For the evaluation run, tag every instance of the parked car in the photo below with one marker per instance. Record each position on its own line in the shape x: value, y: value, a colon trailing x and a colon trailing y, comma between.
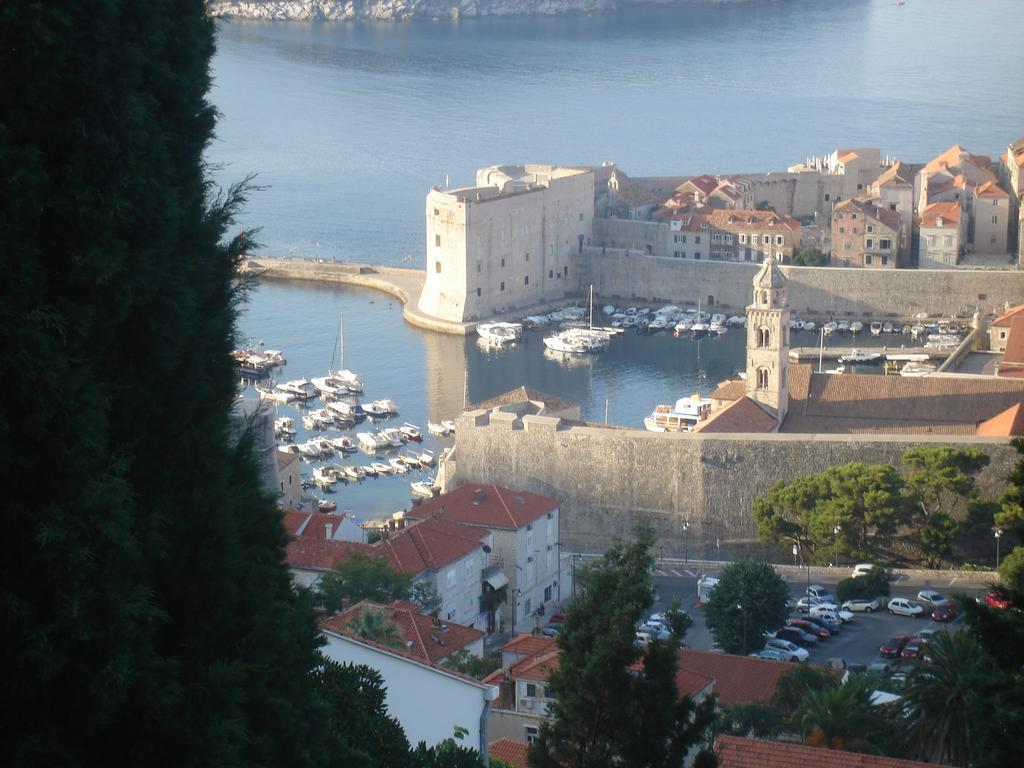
x: 901, y: 606
x: 862, y: 569
x: 826, y: 620
x: 797, y: 635
x: 551, y: 630
x: 996, y: 598
x: 772, y: 654
x: 862, y: 605
x: 805, y: 604
x: 806, y: 626
x: 792, y: 651
x: 912, y: 650
x: 879, y: 668
x: 831, y: 614
x: 892, y: 647
x: 654, y: 629
x: 931, y: 597
x: 944, y: 612
x: 820, y: 593
x: 926, y: 636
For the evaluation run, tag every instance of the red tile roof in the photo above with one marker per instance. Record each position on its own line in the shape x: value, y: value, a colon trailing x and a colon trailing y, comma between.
x: 420, y: 637
x: 511, y: 753
x: 487, y: 505
x: 738, y: 752
x: 317, y: 554
x: 738, y: 679
x: 947, y: 213
x: 528, y: 645
x: 1006, y: 319
x: 743, y: 220
x: 896, y: 175
x: 1006, y: 424
x: 705, y: 184
x: 1014, y: 352
x: 295, y: 521
x: 730, y: 390
x: 988, y: 189
x: 430, y: 545
x: 741, y: 415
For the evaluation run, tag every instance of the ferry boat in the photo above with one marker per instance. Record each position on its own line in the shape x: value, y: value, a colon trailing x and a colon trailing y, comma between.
x: 681, y: 417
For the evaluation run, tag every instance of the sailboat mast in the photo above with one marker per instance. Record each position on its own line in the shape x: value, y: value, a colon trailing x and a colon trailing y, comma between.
x: 341, y: 343
x: 821, y: 349
x: 591, y: 306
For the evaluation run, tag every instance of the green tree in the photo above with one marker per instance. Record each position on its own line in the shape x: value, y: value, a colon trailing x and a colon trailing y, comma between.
x: 149, y: 616
x: 362, y: 577
x: 941, y: 698
x: 617, y: 703
x: 810, y: 257
x: 943, y: 480
x: 423, y: 594
x: 793, y: 685
x: 361, y: 729
x: 1011, y: 515
x: 1011, y: 570
x: 749, y: 600
x: 785, y: 513
x: 937, y: 536
x: 374, y: 625
x: 874, y: 583
x: 753, y: 719
x: 843, y: 717
x: 470, y: 664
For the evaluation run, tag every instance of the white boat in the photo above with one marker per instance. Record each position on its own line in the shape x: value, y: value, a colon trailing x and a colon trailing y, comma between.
x: 353, y: 473
x: 275, y: 395
x: 411, y: 459
x: 876, y: 329
x: 285, y: 426
x: 426, y: 458
x: 830, y: 328
x: 917, y: 369
x: 308, y: 450
x: 809, y: 325
x: 917, y: 330
x: 326, y: 446
x: 345, y: 411
x: 329, y: 385
x: 385, y: 405
x: 837, y: 369
x: 861, y: 357
x: 681, y: 417
x: 394, y: 437
x: 300, y: 389
x: 371, y: 441
x: 449, y: 426
x: 381, y: 468
x: 437, y: 430
x: 683, y: 326
x: 856, y: 326
x: 500, y: 333
x: 324, y: 477
x: 368, y: 470
x: 411, y: 432
x: 608, y: 309
x: 842, y: 326
x: 344, y: 444
x: 423, y: 488
x: 398, y: 465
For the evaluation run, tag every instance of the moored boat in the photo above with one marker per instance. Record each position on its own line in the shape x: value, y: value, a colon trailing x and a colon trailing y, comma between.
x: 683, y: 416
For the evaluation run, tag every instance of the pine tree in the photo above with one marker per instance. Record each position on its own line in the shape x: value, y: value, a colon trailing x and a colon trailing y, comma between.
x: 149, y: 619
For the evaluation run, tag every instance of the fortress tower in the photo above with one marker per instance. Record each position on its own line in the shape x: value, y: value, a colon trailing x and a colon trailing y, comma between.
x: 768, y: 340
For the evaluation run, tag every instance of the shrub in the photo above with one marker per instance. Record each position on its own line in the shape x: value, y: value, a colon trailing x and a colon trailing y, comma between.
x: 875, y: 583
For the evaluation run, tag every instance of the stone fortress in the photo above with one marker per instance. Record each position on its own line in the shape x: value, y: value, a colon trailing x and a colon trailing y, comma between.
x: 528, y: 236
x: 697, y: 489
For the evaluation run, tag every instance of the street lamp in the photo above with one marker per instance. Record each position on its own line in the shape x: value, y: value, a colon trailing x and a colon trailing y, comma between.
x: 998, y: 534
x: 686, y: 527
x: 836, y: 532
x: 739, y: 607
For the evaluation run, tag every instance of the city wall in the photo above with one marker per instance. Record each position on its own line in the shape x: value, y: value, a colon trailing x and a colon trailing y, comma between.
x: 609, y: 479
x: 813, y: 291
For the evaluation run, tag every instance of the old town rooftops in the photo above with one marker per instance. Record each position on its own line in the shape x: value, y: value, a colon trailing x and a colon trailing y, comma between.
x: 488, y: 506
x: 942, y: 214
x: 740, y: 752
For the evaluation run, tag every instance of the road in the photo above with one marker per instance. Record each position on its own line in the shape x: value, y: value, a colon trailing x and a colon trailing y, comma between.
x: 857, y: 642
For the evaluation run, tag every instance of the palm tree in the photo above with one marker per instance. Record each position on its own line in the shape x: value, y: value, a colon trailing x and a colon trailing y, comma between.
x: 940, y: 693
x: 375, y: 626
x: 842, y: 717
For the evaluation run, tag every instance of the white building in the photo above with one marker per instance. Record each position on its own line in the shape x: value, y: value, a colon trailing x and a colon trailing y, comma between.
x: 505, y: 242
x: 525, y: 550
x: 429, y: 700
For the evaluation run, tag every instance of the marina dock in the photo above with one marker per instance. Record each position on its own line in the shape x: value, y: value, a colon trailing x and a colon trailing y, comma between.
x: 900, y: 353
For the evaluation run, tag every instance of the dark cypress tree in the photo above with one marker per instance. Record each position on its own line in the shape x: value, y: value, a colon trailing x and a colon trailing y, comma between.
x: 148, y: 617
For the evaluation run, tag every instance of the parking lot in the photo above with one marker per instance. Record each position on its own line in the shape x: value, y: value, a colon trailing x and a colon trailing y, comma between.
x: 858, y: 640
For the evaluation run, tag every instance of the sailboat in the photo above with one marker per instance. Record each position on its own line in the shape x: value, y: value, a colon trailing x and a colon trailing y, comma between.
x: 342, y: 381
x: 580, y: 340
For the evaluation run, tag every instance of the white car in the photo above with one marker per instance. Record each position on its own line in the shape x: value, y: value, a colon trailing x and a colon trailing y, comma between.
x: 804, y: 604
x: 931, y: 597
x: 793, y: 651
x: 831, y: 611
x: 819, y: 593
x: 901, y: 606
x: 862, y: 604
x: 861, y: 569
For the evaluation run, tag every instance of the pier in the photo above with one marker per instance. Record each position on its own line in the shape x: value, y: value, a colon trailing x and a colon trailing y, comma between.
x: 811, y: 354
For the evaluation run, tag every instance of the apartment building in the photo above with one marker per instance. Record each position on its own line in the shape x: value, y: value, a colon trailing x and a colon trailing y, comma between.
x: 942, y: 231
x: 866, y: 235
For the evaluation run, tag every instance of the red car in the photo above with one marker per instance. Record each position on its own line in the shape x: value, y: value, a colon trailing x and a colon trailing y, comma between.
x: 893, y: 647
x: 912, y: 650
x: 944, y: 612
x: 994, y: 598
x: 819, y: 632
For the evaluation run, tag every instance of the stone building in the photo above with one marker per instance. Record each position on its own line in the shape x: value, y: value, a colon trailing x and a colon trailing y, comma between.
x: 505, y: 243
x: 893, y: 190
x: 866, y: 235
x: 941, y: 235
x: 1013, y: 179
x: 768, y: 341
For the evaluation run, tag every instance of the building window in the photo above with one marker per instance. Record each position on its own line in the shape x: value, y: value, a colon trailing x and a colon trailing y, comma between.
x: 827, y: 196
x: 892, y: 206
x: 728, y: 238
x: 478, y: 267
x: 885, y: 244
x: 478, y: 293
x: 743, y: 237
x: 766, y: 239
x: 869, y: 243
x: 551, y: 274
x: 995, y: 219
x: 948, y: 241
x: 860, y: 187
x: 437, y: 241
x: 867, y: 259
x: 779, y: 240
x: 992, y: 240
x: 762, y: 378
x: 847, y: 245
x: 531, y: 734
x: 885, y: 260
x: 503, y: 262
x: 449, y: 578
x: 437, y: 267
x: 527, y: 256
x: 870, y: 228
x: 764, y: 335
x: 696, y: 239
x: 531, y: 690
x: 853, y: 216
x: 547, y: 594
x: 565, y: 271
x: 779, y: 256
x: 437, y: 212
x: 526, y: 280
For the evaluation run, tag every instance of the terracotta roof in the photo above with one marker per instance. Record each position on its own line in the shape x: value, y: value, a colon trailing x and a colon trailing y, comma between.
x: 941, y: 214
x: 741, y: 415
x: 511, y: 753
x: 528, y: 645
x: 285, y: 458
x: 524, y: 395
x: 847, y: 156
x: 692, y: 684
x: 1007, y: 424
x: 742, y: 220
x: 429, y: 546
x: 487, y: 506
x: 857, y: 403
x: 1014, y: 352
x: 421, y: 637
x: 884, y: 216
x: 295, y: 521
x: 988, y: 189
x: 952, y: 157
x: 318, y: 554
x: 738, y: 679
x: 730, y: 390
x: 1010, y: 370
x: 738, y: 752
x: 1006, y: 319
x: 1017, y: 150
x: 896, y: 175
x: 705, y: 184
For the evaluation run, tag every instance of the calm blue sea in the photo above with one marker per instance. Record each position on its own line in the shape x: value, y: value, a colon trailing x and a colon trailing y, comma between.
x: 346, y: 126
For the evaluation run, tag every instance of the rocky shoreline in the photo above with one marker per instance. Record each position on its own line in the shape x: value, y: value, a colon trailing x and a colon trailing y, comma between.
x: 399, y: 10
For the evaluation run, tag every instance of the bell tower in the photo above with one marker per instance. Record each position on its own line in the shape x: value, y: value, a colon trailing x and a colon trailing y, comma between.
x: 768, y: 340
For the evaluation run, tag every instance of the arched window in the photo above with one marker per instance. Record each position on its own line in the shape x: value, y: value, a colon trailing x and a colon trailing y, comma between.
x: 762, y: 378
x: 763, y: 338
x: 764, y: 297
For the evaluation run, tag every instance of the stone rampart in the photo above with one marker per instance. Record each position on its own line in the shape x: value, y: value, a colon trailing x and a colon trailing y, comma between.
x: 813, y: 291
x: 608, y: 479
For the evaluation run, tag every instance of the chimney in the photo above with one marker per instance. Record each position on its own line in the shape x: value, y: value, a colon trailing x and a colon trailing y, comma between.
x: 330, y: 530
